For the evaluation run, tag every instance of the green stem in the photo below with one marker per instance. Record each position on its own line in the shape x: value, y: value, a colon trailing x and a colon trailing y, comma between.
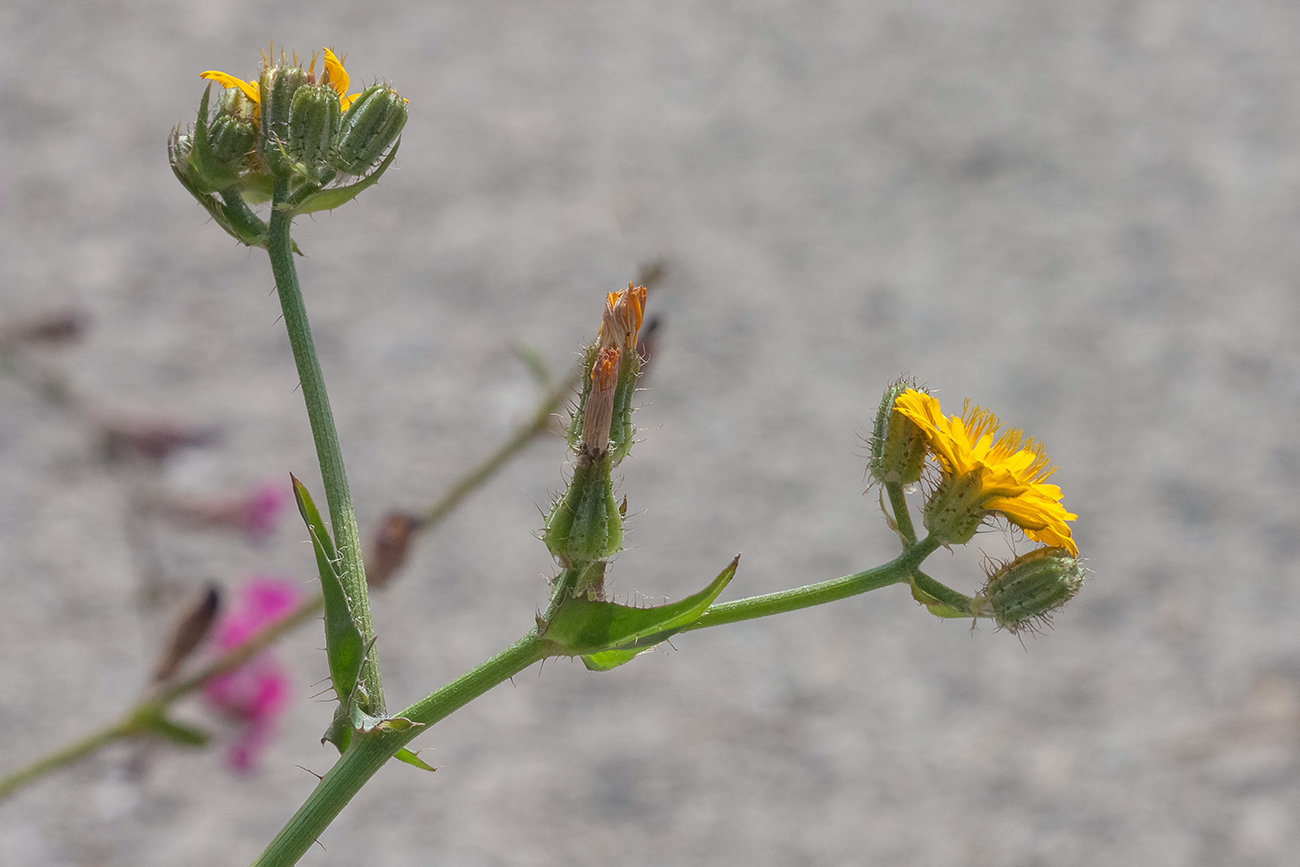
x: 328, y: 451
x: 894, y: 572
x: 540, y: 421
x: 168, y: 694
x: 368, y: 752
x: 135, y: 722
x: 69, y: 754
x: 942, y: 592
x: 902, y: 516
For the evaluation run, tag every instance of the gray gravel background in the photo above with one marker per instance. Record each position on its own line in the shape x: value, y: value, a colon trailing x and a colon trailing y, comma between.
x: 1081, y: 215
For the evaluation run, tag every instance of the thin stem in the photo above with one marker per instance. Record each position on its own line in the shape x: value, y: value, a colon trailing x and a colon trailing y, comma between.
x: 526, y: 433
x: 329, y: 453
x: 902, y: 516
x: 942, y: 592
x: 66, y: 756
x: 894, y: 572
x: 168, y: 694
x: 368, y: 752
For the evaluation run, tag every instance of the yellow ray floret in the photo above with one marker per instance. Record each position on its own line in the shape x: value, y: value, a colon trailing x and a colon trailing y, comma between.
x: 334, y: 75
x: 1011, y: 467
x: 225, y: 79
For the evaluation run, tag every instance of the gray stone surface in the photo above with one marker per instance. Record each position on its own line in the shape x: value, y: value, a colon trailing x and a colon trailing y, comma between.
x: 1082, y: 215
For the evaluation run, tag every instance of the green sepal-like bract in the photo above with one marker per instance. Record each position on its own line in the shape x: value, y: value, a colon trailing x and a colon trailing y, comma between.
x: 574, y: 432
x: 621, y: 431
x: 326, y: 200
x: 607, y: 635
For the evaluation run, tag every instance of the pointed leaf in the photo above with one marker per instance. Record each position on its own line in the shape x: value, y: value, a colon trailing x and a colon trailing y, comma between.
x: 344, y: 644
x: 412, y: 757
x: 176, y: 732
x: 593, y: 629
x: 340, y: 731
x: 327, y: 200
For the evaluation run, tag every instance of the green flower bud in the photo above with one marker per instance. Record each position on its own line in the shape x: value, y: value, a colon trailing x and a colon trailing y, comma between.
x: 898, y: 444
x: 314, y: 117
x: 956, y: 509
x: 1026, y: 591
x: 278, y: 84
x: 585, y: 525
x: 373, y: 121
x: 231, y: 140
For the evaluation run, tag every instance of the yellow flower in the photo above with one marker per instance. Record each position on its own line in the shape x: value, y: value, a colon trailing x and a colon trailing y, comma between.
x: 334, y: 75
x: 1011, y: 470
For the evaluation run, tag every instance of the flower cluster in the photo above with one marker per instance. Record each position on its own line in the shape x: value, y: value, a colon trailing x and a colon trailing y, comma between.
x: 287, y: 135
x: 984, y: 470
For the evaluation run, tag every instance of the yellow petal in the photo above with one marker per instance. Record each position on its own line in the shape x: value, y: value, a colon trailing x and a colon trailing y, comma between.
x: 225, y: 79
x: 338, y: 77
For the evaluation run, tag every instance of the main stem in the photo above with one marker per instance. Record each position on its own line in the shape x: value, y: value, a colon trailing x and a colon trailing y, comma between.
x: 347, y: 538
x: 368, y: 752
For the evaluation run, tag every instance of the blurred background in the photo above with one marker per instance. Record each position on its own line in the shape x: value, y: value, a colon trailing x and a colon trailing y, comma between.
x: 1081, y: 215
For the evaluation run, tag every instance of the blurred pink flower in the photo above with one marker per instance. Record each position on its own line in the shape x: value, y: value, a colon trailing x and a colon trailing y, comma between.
x: 262, y: 509
x: 254, y: 513
x: 257, y: 692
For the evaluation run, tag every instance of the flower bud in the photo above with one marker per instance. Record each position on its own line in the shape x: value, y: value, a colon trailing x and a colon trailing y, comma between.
x: 231, y: 140
x: 373, y: 121
x: 897, y: 443
x: 1026, y: 591
x: 585, y: 524
x: 619, y: 330
x: 956, y: 509
x: 278, y: 85
x: 314, y: 117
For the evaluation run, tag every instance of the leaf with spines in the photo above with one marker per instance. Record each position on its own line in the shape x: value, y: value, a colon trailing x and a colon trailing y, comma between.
x: 607, y: 635
x: 331, y: 198
x: 344, y: 644
x: 412, y: 757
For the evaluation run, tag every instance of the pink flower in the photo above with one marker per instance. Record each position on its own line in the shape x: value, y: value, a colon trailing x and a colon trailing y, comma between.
x: 254, y: 513
x: 262, y: 509
x: 257, y: 692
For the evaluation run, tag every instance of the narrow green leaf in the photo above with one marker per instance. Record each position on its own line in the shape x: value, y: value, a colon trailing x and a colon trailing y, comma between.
x: 328, y: 200
x: 607, y: 634
x: 412, y: 757
x: 174, y: 731
x: 344, y: 645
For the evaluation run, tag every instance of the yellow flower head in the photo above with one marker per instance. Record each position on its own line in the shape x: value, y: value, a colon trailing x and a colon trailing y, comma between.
x: 1011, y: 470
x: 333, y: 75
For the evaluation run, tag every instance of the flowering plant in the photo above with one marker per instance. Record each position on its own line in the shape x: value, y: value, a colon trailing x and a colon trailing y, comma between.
x: 302, y: 143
